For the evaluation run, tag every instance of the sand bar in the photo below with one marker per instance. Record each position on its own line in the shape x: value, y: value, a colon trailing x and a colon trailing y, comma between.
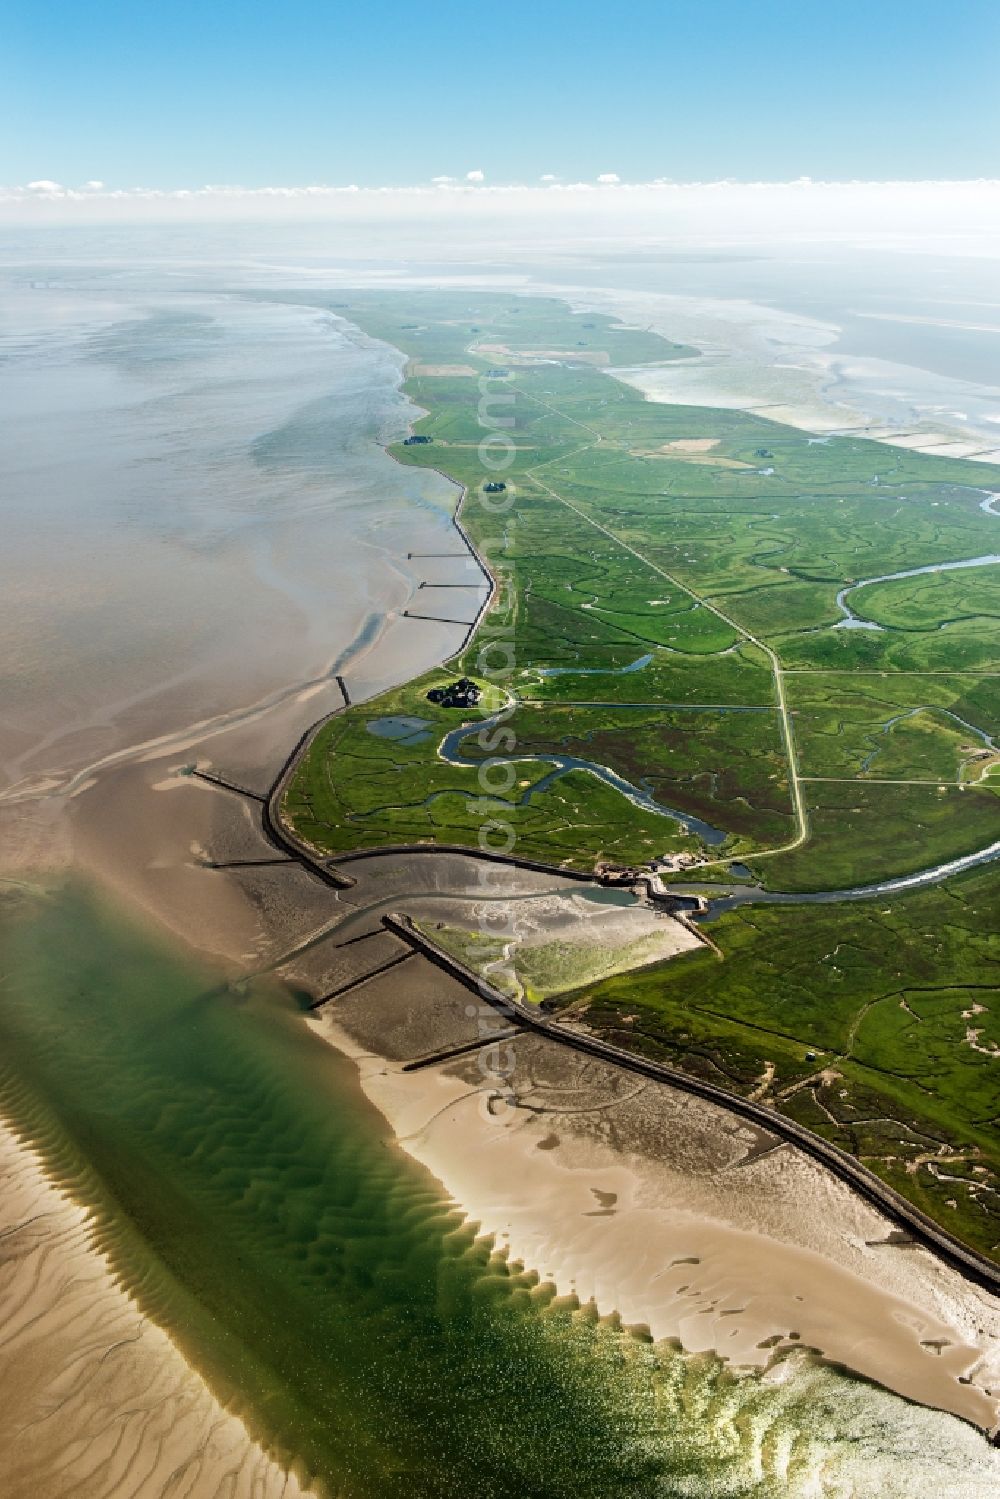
x: 683, y: 1220
x: 95, y: 1399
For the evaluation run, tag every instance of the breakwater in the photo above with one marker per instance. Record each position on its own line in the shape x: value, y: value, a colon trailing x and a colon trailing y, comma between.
x: 924, y: 1230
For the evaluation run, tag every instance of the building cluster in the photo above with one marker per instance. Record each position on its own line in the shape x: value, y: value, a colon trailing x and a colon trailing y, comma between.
x: 416, y: 440
x: 461, y: 694
x: 495, y: 486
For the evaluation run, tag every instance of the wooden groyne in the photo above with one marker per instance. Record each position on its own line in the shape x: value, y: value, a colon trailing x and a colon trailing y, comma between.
x: 376, y: 931
x: 279, y: 860
x: 974, y: 1266
x: 461, y: 1049
x: 361, y: 980
x: 214, y: 779
x: 437, y: 619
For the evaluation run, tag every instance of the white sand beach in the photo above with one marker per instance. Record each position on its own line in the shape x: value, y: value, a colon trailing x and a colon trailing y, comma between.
x: 677, y: 1217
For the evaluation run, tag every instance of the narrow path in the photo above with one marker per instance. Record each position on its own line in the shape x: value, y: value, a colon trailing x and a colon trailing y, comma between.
x: 794, y: 779
x: 871, y: 781
x: 874, y: 671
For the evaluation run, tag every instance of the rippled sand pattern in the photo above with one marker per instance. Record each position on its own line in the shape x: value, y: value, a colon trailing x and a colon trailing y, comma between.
x: 94, y: 1398
x: 221, y: 1176
x: 326, y: 1282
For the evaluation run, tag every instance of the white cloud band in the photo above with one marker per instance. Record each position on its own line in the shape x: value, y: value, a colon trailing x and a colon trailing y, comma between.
x: 726, y: 208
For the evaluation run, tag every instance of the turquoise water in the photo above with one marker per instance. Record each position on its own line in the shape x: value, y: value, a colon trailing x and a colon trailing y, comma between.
x: 257, y: 1204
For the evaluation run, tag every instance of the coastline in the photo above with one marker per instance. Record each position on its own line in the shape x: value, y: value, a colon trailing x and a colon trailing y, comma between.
x: 690, y: 1227
x: 858, y: 1178
x: 804, y: 386
x: 889, y: 1204
x: 275, y: 826
x: 426, y: 1139
x: 80, y: 1353
x: 436, y: 1125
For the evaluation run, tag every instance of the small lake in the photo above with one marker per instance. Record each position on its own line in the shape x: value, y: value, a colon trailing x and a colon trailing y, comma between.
x: 406, y: 728
x: 594, y: 671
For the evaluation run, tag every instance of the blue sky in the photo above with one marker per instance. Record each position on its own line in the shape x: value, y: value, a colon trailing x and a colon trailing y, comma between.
x: 182, y: 93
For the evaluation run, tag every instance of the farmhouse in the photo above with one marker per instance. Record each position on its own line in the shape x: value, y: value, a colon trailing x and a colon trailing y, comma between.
x: 461, y: 694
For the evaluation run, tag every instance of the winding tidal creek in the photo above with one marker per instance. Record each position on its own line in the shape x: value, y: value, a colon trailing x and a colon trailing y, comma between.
x: 247, y: 1193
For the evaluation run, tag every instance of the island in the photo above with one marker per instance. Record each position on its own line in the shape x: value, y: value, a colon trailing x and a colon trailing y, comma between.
x: 765, y: 693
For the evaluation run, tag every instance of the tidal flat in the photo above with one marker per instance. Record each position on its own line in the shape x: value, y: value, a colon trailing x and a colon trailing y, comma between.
x: 617, y: 539
x: 339, y: 1301
x: 358, y: 1312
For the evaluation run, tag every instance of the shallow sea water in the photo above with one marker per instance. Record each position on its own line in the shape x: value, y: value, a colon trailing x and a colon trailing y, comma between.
x: 254, y: 1199
x: 196, y: 511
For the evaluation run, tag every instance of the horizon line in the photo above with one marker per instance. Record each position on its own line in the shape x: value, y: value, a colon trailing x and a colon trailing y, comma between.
x: 473, y: 184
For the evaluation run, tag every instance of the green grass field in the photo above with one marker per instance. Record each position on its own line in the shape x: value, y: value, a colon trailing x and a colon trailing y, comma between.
x: 668, y: 616
x: 879, y: 1019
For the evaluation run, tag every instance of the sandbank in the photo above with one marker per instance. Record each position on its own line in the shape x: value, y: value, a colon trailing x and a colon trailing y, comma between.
x: 682, y: 1219
x: 95, y: 1399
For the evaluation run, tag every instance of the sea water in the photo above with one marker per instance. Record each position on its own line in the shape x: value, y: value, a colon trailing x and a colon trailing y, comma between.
x: 194, y: 505
x: 196, y: 508
x: 257, y: 1204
